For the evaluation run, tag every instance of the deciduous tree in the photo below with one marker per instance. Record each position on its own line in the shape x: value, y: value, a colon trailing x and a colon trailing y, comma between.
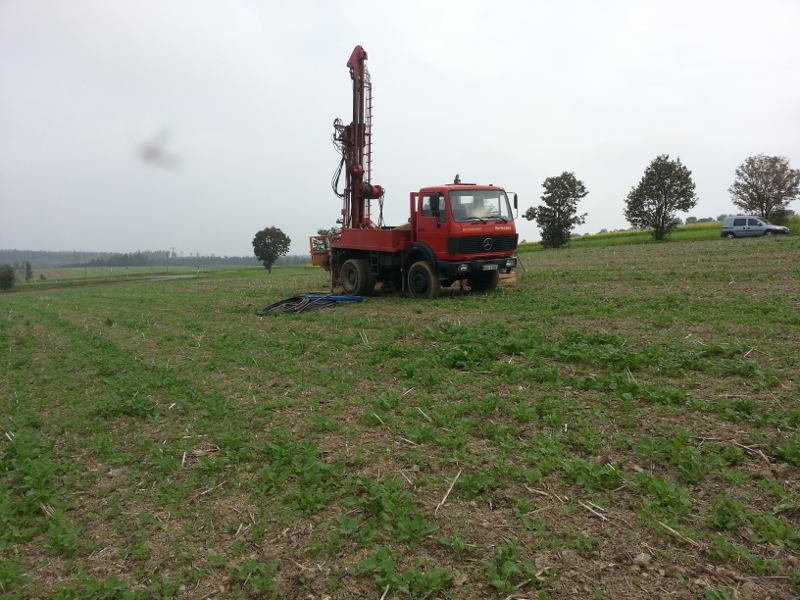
x: 764, y: 186
x: 269, y: 245
x: 7, y: 277
x: 665, y: 189
x: 559, y: 215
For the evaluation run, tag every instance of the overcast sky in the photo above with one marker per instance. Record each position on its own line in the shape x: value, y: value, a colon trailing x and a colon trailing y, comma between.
x: 134, y: 125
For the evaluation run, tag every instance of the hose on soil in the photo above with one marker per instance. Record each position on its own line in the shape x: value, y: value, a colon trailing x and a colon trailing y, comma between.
x: 305, y: 303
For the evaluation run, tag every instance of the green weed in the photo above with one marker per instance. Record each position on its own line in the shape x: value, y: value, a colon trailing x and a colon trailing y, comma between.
x: 723, y: 550
x: 254, y: 576
x: 89, y: 588
x: 720, y: 594
x: 664, y: 500
x: 414, y: 581
x: 13, y: 580
x: 459, y: 543
x: 789, y: 452
x: 62, y: 538
x: 727, y: 514
x: 585, y: 545
x: 506, y: 570
x: 413, y: 528
x: 593, y: 477
x: 475, y: 484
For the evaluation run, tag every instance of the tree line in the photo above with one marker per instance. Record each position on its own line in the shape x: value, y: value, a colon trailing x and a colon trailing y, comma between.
x: 22, y: 269
x: 50, y: 259
x: 47, y: 259
x: 160, y: 258
x: 764, y: 186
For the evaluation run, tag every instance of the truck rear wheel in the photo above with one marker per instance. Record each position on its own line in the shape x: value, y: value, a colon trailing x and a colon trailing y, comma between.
x: 357, y: 279
x: 423, y: 283
x: 485, y: 281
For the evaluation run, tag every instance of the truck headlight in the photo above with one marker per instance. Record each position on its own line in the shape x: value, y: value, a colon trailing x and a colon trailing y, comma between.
x: 463, y: 268
x: 511, y: 263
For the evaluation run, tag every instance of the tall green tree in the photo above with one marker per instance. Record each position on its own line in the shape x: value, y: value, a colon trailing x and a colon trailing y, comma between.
x: 557, y: 218
x: 665, y: 189
x: 764, y: 186
x: 269, y: 245
x: 7, y: 277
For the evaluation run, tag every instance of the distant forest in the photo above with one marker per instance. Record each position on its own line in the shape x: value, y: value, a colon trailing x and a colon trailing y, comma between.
x: 46, y: 259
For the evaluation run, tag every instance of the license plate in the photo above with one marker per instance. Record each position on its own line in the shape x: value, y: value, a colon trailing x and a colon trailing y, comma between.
x: 490, y: 267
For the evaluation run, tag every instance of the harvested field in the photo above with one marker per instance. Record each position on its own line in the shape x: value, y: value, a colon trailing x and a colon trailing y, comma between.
x: 619, y: 422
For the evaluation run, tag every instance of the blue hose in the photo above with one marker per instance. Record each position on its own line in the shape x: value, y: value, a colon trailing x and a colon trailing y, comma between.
x: 306, y: 303
x: 336, y: 298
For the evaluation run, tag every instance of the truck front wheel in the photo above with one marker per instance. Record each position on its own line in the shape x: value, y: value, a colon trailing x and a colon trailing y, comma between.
x: 423, y: 283
x: 485, y: 281
x: 357, y: 279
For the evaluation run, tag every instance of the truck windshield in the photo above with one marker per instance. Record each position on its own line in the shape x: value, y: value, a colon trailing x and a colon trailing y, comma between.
x: 479, y: 206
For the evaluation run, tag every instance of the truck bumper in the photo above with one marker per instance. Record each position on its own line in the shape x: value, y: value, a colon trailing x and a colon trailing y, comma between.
x: 458, y: 269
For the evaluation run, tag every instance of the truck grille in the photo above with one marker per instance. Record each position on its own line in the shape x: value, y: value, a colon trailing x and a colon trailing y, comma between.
x: 480, y: 244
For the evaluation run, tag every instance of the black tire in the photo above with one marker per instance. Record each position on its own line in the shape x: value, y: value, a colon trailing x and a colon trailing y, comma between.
x: 423, y: 283
x: 485, y: 281
x: 357, y: 278
x: 769, y: 232
x: 730, y: 235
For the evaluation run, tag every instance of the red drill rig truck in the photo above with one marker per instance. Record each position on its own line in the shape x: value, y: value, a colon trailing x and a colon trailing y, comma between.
x: 456, y: 231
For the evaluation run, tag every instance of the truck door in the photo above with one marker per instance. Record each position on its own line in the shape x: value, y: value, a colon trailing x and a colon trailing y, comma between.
x: 432, y: 222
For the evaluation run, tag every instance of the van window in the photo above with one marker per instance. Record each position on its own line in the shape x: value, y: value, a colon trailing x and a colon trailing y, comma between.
x: 739, y: 222
x: 753, y: 222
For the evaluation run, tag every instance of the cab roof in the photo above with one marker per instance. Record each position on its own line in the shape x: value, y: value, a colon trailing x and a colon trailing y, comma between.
x: 460, y: 186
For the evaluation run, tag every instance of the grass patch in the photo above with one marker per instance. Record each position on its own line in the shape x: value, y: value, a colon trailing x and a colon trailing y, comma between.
x: 683, y: 233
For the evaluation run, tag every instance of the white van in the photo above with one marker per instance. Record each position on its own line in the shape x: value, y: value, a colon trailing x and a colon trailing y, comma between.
x: 733, y: 227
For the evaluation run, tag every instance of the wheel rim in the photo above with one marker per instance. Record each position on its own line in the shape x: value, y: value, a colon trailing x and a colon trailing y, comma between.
x: 349, y: 278
x: 419, y: 283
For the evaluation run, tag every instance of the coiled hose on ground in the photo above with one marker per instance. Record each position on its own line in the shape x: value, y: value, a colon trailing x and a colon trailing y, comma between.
x: 305, y: 303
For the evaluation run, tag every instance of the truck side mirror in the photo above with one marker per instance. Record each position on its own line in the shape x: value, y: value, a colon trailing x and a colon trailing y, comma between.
x: 515, y: 201
x: 437, y: 207
x: 435, y: 203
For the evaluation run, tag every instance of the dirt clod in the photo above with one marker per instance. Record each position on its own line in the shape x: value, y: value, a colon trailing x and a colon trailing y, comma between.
x: 642, y: 560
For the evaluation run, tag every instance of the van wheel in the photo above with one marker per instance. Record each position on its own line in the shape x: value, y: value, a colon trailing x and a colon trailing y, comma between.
x: 484, y: 282
x: 423, y: 283
x: 357, y: 279
x: 730, y: 236
x: 768, y: 232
